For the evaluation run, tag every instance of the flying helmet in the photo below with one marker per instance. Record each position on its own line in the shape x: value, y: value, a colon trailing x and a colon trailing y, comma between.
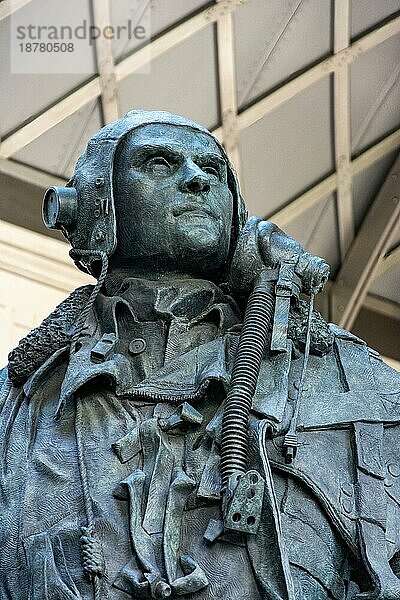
x: 84, y: 210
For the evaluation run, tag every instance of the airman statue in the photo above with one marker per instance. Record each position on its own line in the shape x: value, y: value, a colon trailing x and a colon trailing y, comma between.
x: 190, y: 426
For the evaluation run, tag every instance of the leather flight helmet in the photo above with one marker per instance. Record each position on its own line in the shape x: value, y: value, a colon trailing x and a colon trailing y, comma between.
x: 84, y: 209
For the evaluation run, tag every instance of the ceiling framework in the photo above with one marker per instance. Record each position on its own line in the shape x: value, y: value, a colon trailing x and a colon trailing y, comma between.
x: 28, y: 175
x: 105, y: 63
x: 7, y: 7
x: 92, y: 90
x: 341, y: 83
x: 390, y: 260
x: 382, y: 306
x: 328, y: 185
x: 227, y: 87
x: 363, y: 254
x: 367, y: 250
x: 38, y: 258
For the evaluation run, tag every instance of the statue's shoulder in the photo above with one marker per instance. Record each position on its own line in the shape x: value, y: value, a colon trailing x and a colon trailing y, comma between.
x: 344, y: 334
x: 360, y: 364
x: 359, y: 358
x: 53, y: 333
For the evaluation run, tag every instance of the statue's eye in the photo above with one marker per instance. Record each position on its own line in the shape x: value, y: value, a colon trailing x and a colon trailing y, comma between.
x: 211, y: 170
x: 158, y: 165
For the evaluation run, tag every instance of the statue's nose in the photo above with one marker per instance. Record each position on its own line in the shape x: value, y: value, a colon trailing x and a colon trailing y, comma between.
x: 195, y: 181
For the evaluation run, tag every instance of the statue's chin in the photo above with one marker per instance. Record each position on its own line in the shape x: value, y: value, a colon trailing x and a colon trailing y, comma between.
x: 199, y: 238
x: 201, y: 244
x: 196, y: 246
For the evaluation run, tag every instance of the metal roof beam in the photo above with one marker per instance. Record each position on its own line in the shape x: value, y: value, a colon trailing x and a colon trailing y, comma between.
x: 328, y: 185
x: 105, y: 62
x: 39, y: 258
x: 174, y: 36
x: 92, y: 89
x: 302, y: 203
x: 30, y: 175
x: 21, y: 193
x: 368, y: 157
x: 127, y: 66
x: 382, y: 306
x: 227, y: 87
x: 346, y: 56
x: 391, y: 259
x: 8, y: 7
x: 51, y: 117
x: 368, y: 248
x: 342, y: 143
x: 372, y: 302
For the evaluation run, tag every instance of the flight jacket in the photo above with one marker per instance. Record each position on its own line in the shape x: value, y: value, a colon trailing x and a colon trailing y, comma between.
x: 143, y: 394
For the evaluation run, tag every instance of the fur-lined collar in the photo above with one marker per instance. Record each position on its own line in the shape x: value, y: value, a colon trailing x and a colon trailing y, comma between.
x: 51, y: 335
x: 56, y: 331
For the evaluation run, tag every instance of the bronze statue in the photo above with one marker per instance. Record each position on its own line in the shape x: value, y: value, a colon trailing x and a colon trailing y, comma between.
x: 190, y: 426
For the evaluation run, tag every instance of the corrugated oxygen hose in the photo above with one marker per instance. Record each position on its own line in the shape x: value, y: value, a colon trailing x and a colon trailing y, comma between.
x: 258, y: 315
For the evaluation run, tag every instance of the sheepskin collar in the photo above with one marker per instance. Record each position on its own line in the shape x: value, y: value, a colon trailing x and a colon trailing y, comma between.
x: 51, y: 335
x: 56, y: 330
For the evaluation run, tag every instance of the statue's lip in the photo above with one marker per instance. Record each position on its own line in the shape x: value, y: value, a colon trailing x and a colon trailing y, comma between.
x: 191, y: 207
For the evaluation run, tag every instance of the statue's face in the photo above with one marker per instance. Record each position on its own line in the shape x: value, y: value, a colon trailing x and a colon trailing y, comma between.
x: 173, y: 204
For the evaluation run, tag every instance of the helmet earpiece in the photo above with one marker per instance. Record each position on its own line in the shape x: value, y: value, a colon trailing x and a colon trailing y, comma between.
x: 60, y: 207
